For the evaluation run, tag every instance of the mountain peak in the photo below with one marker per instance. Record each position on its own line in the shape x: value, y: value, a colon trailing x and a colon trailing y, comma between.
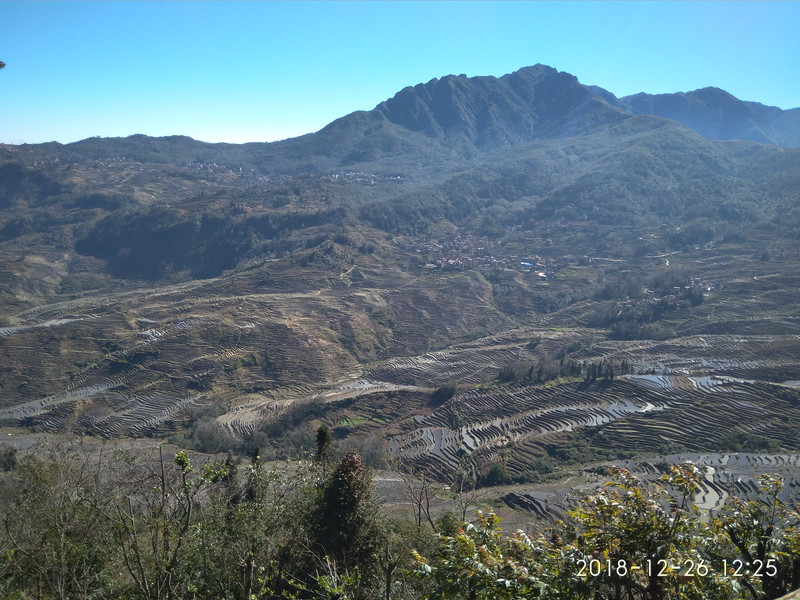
x: 537, y: 70
x: 466, y: 116
x: 489, y: 112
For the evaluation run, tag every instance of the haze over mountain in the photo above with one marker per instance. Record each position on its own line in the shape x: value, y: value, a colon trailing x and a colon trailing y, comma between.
x: 715, y: 113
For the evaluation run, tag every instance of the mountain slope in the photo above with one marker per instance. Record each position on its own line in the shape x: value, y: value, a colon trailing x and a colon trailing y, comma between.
x: 474, y: 115
x: 715, y: 113
x: 487, y: 113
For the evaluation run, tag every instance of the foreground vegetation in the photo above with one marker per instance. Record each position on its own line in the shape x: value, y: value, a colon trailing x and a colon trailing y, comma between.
x: 83, y: 521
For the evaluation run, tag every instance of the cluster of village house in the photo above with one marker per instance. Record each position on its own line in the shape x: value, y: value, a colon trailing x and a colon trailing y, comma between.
x: 544, y: 267
x: 359, y: 177
x: 356, y: 177
x: 468, y: 251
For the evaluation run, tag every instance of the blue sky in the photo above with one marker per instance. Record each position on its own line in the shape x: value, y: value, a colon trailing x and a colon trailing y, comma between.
x: 261, y: 71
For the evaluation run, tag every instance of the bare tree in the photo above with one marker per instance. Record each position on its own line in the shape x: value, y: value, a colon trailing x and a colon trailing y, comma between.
x: 420, y: 489
x: 154, y: 520
x: 465, y: 485
x: 56, y: 496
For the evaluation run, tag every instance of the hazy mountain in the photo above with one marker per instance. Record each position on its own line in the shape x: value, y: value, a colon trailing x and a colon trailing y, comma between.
x: 474, y: 115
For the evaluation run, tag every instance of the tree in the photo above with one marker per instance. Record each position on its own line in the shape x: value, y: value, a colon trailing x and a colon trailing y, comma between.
x: 324, y: 447
x: 245, y: 537
x: 442, y: 394
x: 420, y: 490
x: 480, y: 563
x: 395, y: 557
x: 344, y: 524
x: 637, y: 533
x: 8, y: 457
x: 154, y: 517
x: 763, y: 541
x: 465, y: 485
x: 627, y: 541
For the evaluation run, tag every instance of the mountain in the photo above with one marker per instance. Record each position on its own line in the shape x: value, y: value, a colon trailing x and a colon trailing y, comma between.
x: 482, y: 152
x: 715, y: 113
x: 514, y: 244
x: 454, y: 118
x: 487, y: 113
x: 474, y: 115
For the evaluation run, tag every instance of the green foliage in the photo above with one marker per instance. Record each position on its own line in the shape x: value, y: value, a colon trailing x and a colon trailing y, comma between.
x: 479, y: 563
x: 497, y: 475
x: 245, y: 361
x: 324, y: 441
x: 290, y: 434
x: 8, y: 457
x: 98, y: 522
x: 346, y: 516
x: 630, y: 524
x: 506, y: 374
x: 762, y: 537
x: 737, y: 440
x: 245, y: 544
x: 55, y: 539
x: 629, y: 540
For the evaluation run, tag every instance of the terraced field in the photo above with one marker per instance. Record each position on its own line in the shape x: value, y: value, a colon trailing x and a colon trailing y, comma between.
x: 516, y: 424
x: 144, y: 362
x: 536, y: 393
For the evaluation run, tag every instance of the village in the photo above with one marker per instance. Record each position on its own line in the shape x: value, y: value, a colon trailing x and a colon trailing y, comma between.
x: 469, y: 251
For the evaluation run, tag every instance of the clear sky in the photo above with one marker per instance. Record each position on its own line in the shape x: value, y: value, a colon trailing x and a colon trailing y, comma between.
x: 262, y: 71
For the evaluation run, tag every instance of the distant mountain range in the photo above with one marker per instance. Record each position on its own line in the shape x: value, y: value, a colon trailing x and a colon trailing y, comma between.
x: 480, y: 152
x: 473, y: 115
x: 716, y: 114
x: 480, y: 114
x: 458, y: 117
